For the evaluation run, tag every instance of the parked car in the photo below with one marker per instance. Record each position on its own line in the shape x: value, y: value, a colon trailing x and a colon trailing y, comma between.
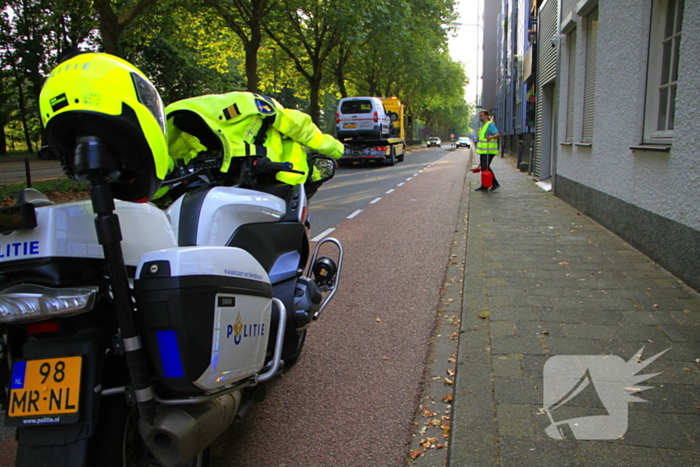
x: 434, y: 141
x: 464, y: 141
x: 362, y: 117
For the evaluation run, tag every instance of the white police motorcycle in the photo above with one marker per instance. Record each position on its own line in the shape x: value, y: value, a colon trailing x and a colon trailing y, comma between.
x: 133, y: 336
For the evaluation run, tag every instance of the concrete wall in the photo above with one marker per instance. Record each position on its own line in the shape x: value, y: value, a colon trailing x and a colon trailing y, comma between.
x: 650, y: 198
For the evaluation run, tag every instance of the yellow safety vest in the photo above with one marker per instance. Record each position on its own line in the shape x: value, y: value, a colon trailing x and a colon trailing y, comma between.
x: 484, y: 146
x: 249, y: 124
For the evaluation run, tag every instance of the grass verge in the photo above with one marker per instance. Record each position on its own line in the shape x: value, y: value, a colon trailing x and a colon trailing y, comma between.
x: 56, y: 190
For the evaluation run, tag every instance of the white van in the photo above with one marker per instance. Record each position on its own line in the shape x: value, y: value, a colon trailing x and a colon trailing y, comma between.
x: 362, y: 117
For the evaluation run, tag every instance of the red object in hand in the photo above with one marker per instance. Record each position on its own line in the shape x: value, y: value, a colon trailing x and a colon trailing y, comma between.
x: 486, y: 178
x: 476, y: 170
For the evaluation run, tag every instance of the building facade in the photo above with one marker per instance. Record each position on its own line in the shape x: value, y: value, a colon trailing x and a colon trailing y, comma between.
x: 516, y: 99
x: 628, y: 151
x: 617, y: 119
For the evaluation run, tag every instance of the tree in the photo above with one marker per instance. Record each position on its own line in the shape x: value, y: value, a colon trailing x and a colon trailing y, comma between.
x: 308, y: 31
x: 185, y: 51
x: 112, y: 23
x: 245, y: 18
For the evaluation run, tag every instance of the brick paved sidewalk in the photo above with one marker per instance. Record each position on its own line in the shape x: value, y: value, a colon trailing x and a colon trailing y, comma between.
x: 548, y: 281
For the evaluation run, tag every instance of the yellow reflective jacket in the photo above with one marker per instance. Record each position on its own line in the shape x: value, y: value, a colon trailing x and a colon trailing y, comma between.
x: 246, y: 124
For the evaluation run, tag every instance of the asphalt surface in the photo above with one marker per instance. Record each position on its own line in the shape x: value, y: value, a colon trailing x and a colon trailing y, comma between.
x: 15, y: 171
x: 354, y: 188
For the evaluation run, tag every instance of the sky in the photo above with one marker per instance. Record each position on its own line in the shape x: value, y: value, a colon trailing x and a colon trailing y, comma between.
x: 464, y: 48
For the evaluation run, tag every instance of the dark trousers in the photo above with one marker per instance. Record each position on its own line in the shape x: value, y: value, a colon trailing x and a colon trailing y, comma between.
x: 486, y: 162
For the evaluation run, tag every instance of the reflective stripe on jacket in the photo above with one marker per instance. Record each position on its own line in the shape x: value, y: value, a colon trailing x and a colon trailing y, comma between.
x: 484, y: 146
x: 248, y: 124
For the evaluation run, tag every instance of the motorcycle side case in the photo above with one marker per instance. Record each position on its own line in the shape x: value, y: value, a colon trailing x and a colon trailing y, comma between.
x: 204, y: 313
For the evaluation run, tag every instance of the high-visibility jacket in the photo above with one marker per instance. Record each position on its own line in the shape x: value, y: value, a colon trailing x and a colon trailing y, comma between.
x: 248, y: 124
x: 484, y: 146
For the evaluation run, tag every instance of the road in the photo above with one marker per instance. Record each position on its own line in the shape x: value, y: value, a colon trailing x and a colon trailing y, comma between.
x: 15, y: 172
x: 354, y: 188
x: 352, y: 397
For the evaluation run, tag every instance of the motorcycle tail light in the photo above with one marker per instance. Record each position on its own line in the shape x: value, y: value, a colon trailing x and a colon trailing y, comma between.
x: 34, y: 302
x: 43, y: 328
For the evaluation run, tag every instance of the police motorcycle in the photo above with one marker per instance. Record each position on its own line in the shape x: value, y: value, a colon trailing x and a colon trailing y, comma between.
x: 132, y: 335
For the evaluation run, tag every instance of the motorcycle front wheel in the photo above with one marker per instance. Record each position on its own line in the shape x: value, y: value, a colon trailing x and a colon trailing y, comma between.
x: 117, y: 441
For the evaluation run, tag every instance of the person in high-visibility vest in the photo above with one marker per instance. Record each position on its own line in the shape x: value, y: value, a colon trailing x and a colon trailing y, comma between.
x: 487, y: 146
x: 246, y: 124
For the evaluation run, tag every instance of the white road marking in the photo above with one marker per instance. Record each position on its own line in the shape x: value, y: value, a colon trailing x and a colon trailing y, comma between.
x: 322, y: 234
x: 354, y: 214
x: 375, y: 200
x: 390, y: 191
x: 401, y: 184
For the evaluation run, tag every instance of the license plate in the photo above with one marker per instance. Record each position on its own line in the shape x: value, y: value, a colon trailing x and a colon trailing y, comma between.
x: 45, y: 387
x: 349, y: 125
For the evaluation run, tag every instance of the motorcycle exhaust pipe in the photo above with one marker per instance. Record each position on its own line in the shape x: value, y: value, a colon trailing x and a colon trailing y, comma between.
x: 181, y: 432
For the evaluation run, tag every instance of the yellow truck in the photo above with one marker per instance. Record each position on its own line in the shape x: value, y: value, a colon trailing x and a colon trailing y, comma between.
x: 371, y: 128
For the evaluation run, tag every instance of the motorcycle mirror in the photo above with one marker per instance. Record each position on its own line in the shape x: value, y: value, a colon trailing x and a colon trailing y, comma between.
x: 323, y: 168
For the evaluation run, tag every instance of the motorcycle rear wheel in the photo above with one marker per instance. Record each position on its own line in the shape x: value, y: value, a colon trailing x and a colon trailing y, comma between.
x: 117, y: 441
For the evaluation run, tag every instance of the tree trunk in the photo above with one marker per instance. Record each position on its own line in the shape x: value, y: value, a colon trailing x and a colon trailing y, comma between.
x: 23, y: 116
x: 314, y: 109
x: 109, y: 27
x: 3, y: 141
x: 251, y: 58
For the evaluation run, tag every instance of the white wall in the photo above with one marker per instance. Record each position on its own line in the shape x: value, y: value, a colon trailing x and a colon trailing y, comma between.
x: 665, y: 183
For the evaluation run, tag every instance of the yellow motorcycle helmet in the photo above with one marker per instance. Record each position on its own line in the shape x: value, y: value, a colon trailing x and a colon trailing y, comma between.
x: 100, y: 95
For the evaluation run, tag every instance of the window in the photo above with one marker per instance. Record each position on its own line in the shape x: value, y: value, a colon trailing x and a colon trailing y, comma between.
x: 591, y: 69
x: 571, y: 88
x: 662, y: 79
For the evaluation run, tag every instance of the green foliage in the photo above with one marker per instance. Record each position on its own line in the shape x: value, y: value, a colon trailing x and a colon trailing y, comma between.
x: 305, y: 53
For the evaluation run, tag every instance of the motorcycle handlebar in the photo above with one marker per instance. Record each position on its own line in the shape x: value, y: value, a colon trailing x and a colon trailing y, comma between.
x: 265, y: 165
x: 184, y: 178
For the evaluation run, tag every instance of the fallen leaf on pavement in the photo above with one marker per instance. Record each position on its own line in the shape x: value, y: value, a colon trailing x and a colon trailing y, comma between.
x: 415, y: 453
x: 428, y: 413
x: 428, y: 443
x: 448, y: 398
x: 445, y: 430
x: 449, y: 382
